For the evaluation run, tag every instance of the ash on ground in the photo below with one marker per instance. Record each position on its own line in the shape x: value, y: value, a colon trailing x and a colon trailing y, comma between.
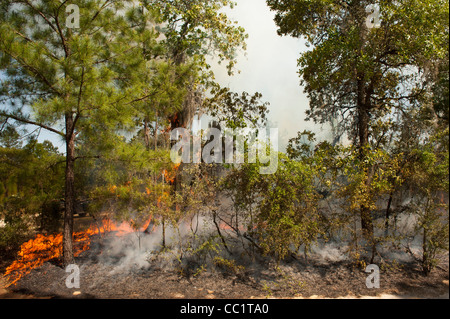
x: 112, y: 274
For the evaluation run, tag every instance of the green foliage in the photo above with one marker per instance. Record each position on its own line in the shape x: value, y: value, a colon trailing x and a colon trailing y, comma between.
x: 284, y: 205
x: 12, y: 235
x: 428, y: 173
x: 351, y: 69
x: 368, y: 180
x: 94, y: 84
x: 237, y: 111
x: 31, y: 186
x: 199, y: 28
x: 385, y: 89
x: 228, y: 265
x: 300, y: 147
x: 111, y: 89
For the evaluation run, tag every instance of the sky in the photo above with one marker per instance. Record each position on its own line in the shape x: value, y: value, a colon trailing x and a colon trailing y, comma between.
x: 268, y: 66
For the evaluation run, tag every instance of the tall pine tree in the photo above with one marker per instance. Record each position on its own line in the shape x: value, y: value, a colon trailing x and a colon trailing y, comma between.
x: 73, y: 71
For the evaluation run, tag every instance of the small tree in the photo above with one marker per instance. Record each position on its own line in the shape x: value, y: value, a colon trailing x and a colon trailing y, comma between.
x: 279, y: 211
x: 428, y: 176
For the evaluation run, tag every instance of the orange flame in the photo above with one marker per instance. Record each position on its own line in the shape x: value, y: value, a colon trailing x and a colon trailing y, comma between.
x: 35, y: 252
x: 170, y: 176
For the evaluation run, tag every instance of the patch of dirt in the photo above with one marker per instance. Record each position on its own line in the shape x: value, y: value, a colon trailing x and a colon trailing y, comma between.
x: 296, y: 279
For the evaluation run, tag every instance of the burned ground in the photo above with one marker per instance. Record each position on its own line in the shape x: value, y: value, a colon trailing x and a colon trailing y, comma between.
x: 104, y: 274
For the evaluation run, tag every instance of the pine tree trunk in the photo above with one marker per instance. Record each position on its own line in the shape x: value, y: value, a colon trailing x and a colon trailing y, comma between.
x: 68, y: 257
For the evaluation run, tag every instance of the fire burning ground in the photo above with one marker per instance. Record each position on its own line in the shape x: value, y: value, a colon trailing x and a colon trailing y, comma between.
x: 35, y: 252
x: 113, y: 266
x: 48, y: 247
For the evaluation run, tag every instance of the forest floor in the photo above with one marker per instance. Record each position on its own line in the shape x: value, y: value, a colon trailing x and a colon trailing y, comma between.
x: 294, y: 279
x: 336, y: 281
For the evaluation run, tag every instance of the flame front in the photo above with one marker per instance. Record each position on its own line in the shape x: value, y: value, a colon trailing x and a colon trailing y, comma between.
x: 35, y: 252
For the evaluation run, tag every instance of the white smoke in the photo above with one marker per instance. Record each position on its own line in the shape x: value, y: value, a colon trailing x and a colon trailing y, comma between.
x: 134, y: 250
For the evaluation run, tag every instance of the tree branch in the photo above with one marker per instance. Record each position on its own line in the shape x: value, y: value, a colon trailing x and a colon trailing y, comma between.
x: 40, y: 13
x: 61, y: 35
x: 33, y: 70
x: 26, y: 121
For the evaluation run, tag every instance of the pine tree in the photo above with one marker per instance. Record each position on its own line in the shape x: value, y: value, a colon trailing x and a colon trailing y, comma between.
x: 74, y: 71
